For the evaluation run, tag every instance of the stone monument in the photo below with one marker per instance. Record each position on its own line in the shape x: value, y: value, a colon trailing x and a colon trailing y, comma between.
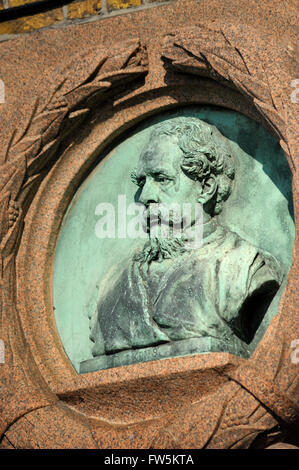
x: 160, y: 343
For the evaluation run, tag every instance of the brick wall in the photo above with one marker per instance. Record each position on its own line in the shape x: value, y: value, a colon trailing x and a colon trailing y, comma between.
x: 79, y: 11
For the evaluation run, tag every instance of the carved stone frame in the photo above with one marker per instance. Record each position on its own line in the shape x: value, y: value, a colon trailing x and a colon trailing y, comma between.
x: 43, y: 166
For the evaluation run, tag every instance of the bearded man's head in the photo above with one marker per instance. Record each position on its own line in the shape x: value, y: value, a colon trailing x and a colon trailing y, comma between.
x: 185, y: 160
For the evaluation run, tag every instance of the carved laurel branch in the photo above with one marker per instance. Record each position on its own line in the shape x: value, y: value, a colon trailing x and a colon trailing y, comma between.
x: 32, y: 149
x: 211, y: 53
x: 35, y: 146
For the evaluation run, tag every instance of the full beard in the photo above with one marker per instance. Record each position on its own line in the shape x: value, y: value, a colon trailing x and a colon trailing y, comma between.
x: 159, y: 248
x: 163, y: 242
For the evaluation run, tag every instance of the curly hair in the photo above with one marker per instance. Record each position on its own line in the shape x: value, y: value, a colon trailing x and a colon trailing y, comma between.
x: 205, y: 152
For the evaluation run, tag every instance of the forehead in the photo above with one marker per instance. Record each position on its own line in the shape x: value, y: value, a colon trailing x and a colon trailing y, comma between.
x: 160, y: 153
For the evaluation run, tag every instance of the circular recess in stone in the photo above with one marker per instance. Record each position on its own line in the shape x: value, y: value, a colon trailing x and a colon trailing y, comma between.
x: 113, y: 310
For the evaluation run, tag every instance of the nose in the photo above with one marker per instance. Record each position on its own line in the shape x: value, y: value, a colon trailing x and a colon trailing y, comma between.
x: 149, y: 193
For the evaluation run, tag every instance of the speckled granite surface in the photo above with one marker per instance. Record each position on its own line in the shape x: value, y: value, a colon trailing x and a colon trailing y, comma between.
x: 234, y: 54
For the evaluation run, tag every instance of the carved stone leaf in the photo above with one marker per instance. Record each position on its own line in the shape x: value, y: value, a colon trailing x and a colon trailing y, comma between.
x: 211, y: 52
x: 11, y: 176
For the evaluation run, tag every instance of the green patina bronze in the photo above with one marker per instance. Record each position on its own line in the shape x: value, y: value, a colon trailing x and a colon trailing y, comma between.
x: 159, y: 298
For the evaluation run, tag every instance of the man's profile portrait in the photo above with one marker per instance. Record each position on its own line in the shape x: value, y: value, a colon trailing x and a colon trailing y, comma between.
x: 169, y: 299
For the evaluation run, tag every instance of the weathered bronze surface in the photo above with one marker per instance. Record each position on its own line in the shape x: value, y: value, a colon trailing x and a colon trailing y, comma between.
x: 170, y: 297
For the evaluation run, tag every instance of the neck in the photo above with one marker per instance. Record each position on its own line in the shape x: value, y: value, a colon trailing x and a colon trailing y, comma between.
x: 195, y: 235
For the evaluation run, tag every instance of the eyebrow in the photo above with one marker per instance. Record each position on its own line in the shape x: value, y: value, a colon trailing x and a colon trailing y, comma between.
x: 163, y: 173
x: 161, y: 170
x: 158, y: 171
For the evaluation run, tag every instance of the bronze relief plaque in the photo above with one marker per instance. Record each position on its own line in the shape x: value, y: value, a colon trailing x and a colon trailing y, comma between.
x: 178, y: 243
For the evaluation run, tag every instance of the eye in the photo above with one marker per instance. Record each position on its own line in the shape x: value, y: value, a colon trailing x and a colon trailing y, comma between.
x: 161, y: 178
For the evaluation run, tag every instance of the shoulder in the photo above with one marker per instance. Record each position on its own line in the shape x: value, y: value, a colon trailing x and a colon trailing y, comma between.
x: 263, y: 267
x: 248, y: 259
x: 245, y: 272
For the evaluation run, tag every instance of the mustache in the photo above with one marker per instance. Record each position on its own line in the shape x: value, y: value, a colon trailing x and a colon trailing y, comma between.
x: 159, y: 249
x: 160, y: 214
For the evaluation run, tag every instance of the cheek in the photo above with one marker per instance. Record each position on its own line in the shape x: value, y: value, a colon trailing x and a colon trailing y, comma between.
x: 193, y: 193
x: 187, y: 189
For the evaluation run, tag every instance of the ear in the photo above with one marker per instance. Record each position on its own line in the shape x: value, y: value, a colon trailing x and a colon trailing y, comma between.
x: 208, y: 189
